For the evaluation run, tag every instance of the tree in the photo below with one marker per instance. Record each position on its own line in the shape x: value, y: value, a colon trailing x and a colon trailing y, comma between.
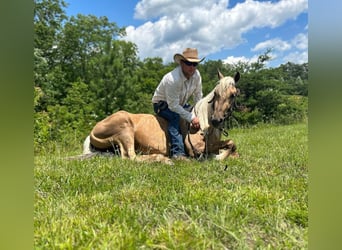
x: 296, y: 77
x: 82, y: 43
x: 114, y: 84
x: 148, y: 74
x: 48, y: 18
x: 262, y: 59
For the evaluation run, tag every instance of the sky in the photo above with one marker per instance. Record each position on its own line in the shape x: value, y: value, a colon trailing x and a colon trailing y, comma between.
x: 231, y: 31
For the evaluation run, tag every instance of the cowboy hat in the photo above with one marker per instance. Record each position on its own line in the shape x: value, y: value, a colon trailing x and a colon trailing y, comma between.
x: 189, y: 54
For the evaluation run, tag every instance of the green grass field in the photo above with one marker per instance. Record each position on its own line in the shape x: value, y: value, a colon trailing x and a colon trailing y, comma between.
x: 257, y: 201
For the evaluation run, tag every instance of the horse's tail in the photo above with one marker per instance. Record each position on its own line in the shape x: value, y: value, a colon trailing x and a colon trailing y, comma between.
x: 101, y: 146
x: 87, y: 148
x: 96, y: 142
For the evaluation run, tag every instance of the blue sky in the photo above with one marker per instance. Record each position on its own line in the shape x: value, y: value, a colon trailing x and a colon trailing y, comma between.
x: 220, y: 29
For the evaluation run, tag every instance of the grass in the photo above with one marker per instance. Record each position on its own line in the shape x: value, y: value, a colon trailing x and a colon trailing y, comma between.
x: 257, y: 201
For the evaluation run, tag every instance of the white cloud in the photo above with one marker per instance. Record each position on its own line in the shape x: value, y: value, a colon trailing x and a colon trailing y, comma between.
x: 296, y: 49
x: 298, y: 57
x: 275, y: 44
x: 208, y: 25
x: 234, y: 60
x: 300, y: 41
x: 147, y: 9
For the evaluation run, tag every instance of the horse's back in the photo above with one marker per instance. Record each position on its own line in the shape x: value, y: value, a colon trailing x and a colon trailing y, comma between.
x: 148, y: 121
x: 150, y: 133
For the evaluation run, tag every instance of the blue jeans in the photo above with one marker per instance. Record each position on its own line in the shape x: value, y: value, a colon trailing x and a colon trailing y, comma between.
x: 176, y: 138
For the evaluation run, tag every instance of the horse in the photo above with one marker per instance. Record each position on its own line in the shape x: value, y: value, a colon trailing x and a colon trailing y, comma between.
x: 144, y: 137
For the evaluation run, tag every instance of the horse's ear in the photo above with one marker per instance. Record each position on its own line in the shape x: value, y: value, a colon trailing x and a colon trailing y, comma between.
x: 219, y: 74
x: 237, y: 77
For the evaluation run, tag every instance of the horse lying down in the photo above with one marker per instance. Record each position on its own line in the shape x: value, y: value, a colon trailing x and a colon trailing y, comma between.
x: 144, y: 137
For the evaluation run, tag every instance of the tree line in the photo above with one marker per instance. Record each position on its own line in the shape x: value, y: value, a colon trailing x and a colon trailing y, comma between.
x: 84, y: 71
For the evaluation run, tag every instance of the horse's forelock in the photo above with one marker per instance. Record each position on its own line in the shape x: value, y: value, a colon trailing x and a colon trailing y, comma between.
x: 224, y: 84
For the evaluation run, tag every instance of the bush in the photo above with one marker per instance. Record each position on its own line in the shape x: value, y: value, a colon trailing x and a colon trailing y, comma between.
x: 41, y: 130
x: 247, y: 117
x: 293, y: 109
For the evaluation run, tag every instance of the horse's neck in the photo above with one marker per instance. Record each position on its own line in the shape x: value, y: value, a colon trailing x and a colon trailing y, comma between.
x: 214, y: 132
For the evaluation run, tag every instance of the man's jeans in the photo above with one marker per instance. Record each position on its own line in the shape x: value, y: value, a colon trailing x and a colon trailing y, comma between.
x: 177, y: 145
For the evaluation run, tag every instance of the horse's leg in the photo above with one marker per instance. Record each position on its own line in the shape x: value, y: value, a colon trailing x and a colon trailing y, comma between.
x: 228, y: 148
x: 227, y: 144
x: 126, y: 151
x: 223, y: 155
x: 194, y: 144
x: 126, y: 143
x: 231, y: 145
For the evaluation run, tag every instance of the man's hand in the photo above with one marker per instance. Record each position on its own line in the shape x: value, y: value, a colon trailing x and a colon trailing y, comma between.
x: 195, y: 123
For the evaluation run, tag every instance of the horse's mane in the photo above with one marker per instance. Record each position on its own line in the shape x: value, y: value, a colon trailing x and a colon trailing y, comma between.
x: 203, y: 109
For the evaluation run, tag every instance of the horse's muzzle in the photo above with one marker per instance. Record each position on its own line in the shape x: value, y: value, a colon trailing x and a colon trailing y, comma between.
x: 217, y: 122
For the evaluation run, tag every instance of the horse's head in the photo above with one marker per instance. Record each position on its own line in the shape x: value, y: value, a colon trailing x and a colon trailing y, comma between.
x: 223, y: 99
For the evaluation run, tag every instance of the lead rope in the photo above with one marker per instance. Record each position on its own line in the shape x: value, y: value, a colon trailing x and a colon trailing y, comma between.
x: 198, y: 155
x: 206, y: 148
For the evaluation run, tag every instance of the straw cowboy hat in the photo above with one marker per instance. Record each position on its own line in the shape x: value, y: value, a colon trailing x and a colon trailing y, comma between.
x: 189, y: 54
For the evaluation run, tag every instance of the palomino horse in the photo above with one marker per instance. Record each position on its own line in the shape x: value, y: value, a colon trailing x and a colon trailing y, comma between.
x: 144, y: 137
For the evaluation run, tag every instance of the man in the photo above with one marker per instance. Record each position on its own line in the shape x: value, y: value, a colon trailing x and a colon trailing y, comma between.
x: 171, y: 96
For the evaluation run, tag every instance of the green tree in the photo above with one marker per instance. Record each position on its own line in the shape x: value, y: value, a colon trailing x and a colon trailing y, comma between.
x: 148, y: 75
x: 48, y: 18
x: 75, y: 115
x: 296, y: 77
x: 261, y: 62
x: 115, y: 83
x: 82, y: 43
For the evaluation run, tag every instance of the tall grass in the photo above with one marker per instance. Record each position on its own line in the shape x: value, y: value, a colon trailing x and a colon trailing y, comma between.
x: 257, y: 201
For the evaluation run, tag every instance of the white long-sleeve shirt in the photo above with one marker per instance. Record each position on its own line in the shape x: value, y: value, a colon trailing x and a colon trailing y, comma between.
x: 176, y: 90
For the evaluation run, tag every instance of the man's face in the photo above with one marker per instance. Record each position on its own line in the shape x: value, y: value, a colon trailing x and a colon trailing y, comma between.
x: 188, y: 68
